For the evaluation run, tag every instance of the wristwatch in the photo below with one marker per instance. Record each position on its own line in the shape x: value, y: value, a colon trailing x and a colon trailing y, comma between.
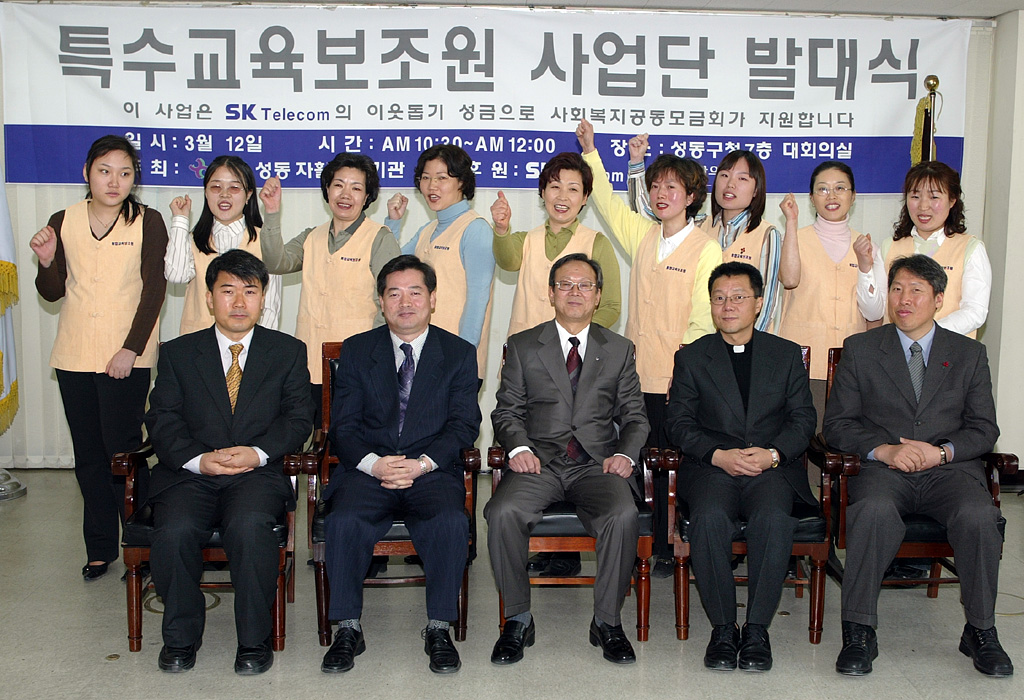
x: 942, y: 455
x: 775, y: 457
x: 424, y: 467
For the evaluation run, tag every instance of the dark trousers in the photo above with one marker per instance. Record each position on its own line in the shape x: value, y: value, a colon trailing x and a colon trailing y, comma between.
x: 246, y: 506
x: 655, y: 405
x: 105, y: 417
x: 717, y: 503
x: 955, y: 496
x: 606, y: 506
x: 360, y: 513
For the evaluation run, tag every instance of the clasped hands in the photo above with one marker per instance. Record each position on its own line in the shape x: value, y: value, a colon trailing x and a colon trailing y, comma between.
x: 526, y: 462
x: 229, y: 460
x: 742, y: 461
x: 910, y: 455
x: 396, y: 471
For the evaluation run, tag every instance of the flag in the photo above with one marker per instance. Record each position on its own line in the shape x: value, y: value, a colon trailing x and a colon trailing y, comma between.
x: 8, y: 297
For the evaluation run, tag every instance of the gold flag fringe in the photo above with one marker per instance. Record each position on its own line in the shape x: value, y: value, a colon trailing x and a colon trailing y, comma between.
x: 8, y: 286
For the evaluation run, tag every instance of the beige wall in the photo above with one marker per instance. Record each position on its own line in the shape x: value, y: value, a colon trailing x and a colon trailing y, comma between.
x: 39, y: 437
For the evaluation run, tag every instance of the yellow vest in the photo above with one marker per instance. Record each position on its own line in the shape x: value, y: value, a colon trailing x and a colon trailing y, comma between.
x: 443, y: 255
x: 102, y: 294
x: 821, y: 312
x: 952, y: 255
x: 197, y: 315
x: 338, y: 291
x: 747, y: 246
x: 660, y: 299
x: 531, y: 305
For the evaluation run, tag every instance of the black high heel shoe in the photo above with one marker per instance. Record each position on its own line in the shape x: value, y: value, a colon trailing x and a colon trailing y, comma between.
x: 92, y: 572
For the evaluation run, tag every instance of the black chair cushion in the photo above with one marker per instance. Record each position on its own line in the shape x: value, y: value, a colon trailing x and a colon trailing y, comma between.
x: 139, y: 530
x: 922, y: 528
x: 397, y: 532
x: 560, y: 520
x: 810, y: 527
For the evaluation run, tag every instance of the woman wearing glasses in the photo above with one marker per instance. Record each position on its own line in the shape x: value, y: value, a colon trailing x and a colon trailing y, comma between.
x: 836, y: 278
x: 230, y: 219
x: 457, y: 244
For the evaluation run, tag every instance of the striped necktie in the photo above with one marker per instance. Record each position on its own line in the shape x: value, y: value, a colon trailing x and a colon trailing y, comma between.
x: 234, y: 375
x: 916, y: 366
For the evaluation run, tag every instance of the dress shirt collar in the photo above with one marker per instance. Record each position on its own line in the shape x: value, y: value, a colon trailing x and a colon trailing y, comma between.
x: 667, y: 246
x: 223, y: 343
x: 227, y: 237
x: 570, y: 228
x: 939, y: 237
x: 925, y: 343
x: 563, y: 340
x: 352, y: 228
x: 416, y: 343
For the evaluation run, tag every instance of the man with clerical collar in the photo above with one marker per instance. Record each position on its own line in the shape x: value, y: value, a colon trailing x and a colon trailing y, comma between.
x: 570, y: 414
x: 914, y: 400
x: 740, y: 410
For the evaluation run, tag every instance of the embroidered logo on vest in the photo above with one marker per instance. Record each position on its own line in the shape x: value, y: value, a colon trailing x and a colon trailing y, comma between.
x: 675, y: 269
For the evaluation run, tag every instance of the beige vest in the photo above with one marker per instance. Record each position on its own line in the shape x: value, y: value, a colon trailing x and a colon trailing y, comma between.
x: 660, y: 298
x: 822, y: 311
x: 952, y: 255
x: 103, y: 289
x: 443, y: 255
x: 531, y: 305
x: 338, y: 291
x: 196, y: 315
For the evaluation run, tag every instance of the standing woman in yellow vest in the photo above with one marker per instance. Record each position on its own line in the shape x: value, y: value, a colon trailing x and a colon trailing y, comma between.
x: 932, y: 223
x: 230, y: 219
x: 105, y: 257
x: 339, y: 259
x: 457, y: 244
x: 564, y: 185
x: 736, y: 221
x: 837, y: 275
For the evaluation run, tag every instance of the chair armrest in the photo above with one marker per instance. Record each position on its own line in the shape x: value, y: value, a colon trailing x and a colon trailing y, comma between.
x: 834, y: 463
x: 128, y: 465
x: 307, y: 462
x: 470, y: 459
x: 1003, y: 462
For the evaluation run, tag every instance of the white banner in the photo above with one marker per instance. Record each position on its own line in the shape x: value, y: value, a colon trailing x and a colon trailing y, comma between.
x: 286, y: 87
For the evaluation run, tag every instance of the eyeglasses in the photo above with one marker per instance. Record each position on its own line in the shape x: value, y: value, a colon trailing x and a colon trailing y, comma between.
x: 439, y: 179
x: 217, y: 188
x: 567, y: 286
x: 825, y: 190
x: 718, y: 299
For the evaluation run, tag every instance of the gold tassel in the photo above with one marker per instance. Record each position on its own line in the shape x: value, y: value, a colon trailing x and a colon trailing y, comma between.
x: 8, y: 285
x: 915, y: 145
x: 8, y: 407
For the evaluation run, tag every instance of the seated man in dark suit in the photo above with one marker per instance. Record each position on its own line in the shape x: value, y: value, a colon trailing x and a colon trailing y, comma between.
x: 571, y: 416
x: 740, y: 409
x: 914, y: 400
x: 229, y: 402
x: 405, y: 403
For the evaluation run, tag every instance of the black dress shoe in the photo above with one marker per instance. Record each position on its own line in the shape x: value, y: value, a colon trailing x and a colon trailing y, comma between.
x: 348, y: 644
x: 860, y: 648
x: 91, y: 572
x: 985, y: 650
x: 252, y: 661
x: 723, y: 648
x: 538, y: 563
x: 563, y: 565
x: 663, y: 567
x: 613, y: 642
x: 514, y: 638
x: 755, y: 652
x: 178, y: 659
x: 444, y: 657
x: 378, y: 566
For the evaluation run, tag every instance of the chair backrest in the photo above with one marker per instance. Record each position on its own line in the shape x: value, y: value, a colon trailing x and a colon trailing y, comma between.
x: 834, y: 354
x: 329, y: 356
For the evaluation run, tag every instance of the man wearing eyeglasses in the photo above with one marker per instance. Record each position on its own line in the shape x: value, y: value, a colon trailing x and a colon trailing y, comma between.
x: 740, y: 409
x: 570, y: 414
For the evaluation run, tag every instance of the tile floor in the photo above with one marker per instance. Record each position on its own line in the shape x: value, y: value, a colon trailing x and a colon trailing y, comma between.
x: 61, y: 637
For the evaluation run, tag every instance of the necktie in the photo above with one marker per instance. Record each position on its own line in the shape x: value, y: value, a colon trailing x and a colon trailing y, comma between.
x: 405, y: 375
x: 234, y: 375
x: 916, y: 366
x: 573, y: 363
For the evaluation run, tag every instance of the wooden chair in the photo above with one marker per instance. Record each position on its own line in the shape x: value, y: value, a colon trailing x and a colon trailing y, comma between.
x: 811, y: 539
x: 135, y: 541
x: 318, y: 463
x: 925, y: 537
x: 561, y: 530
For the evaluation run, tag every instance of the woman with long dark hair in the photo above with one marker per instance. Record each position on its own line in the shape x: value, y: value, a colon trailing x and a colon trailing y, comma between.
x: 104, y: 256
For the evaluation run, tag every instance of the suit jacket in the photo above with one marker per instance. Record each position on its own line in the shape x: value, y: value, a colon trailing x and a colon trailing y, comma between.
x: 536, y: 407
x: 442, y: 416
x: 190, y: 412
x: 705, y: 410
x: 872, y: 400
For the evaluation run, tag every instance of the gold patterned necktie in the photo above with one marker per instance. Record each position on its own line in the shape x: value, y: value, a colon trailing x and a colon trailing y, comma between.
x: 234, y: 375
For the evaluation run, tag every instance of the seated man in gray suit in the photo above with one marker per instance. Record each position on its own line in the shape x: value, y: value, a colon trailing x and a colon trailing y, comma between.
x: 740, y: 409
x: 571, y: 415
x: 914, y: 400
